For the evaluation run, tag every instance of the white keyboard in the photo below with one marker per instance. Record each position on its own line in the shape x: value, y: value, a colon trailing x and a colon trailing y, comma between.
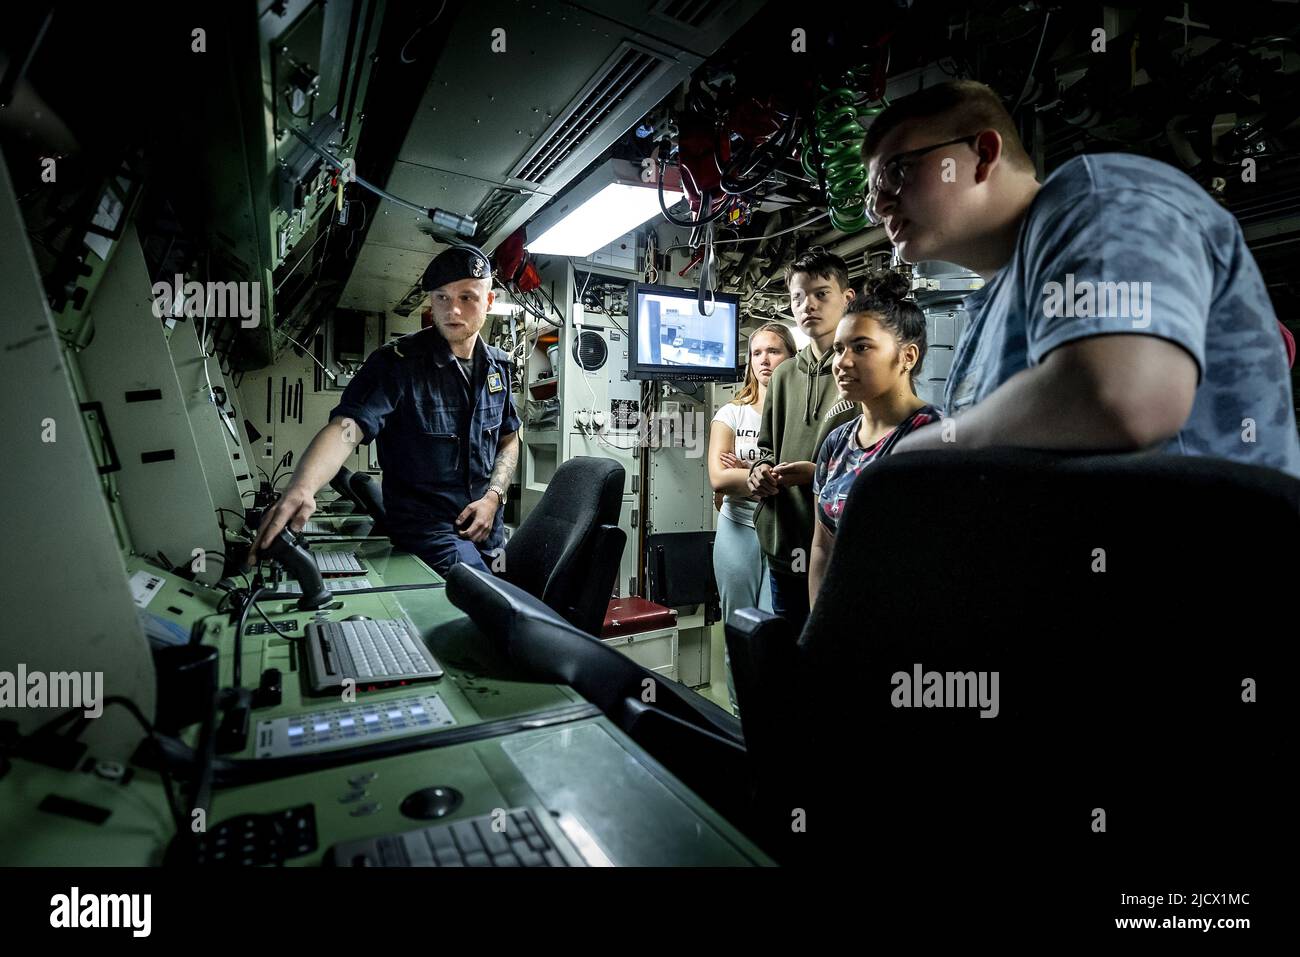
x: 371, y: 650
x: 382, y: 649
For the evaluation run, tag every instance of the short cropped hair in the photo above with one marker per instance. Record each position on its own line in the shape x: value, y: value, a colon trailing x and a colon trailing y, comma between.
x: 820, y: 263
x: 957, y: 108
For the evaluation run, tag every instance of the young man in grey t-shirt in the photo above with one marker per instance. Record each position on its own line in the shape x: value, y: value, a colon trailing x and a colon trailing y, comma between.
x: 1121, y: 311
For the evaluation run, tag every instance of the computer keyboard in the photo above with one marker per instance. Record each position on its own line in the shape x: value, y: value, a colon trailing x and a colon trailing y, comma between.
x: 380, y: 649
x: 338, y: 563
x: 511, y: 838
x: 372, y: 650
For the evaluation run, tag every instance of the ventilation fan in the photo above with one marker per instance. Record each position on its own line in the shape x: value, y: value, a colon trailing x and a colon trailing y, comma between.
x: 590, y: 351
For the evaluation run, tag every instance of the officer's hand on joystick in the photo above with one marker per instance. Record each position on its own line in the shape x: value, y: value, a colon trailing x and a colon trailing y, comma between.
x: 477, y: 518
x: 293, y: 509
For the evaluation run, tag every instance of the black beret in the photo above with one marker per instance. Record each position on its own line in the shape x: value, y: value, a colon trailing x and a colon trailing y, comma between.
x: 455, y: 264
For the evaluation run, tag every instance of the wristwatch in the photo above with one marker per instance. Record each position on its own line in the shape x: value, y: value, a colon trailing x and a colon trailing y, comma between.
x: 501, y: 493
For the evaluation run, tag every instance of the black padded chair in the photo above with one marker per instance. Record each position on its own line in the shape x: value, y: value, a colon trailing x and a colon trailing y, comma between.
x: 367, y: 493
x: 567, y: 551
x: 342, y: 484
x: 1119, y: 598
x: 679, y: 571
x: 695, y: 739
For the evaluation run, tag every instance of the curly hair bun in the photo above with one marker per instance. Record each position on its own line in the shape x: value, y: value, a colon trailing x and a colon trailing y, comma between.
x: 887, y: 287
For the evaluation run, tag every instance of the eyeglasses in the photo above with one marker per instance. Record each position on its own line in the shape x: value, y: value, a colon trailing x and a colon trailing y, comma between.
x: 890, y: 174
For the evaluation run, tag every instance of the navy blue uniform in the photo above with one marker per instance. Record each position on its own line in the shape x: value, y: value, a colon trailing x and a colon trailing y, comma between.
x: 438, y: 428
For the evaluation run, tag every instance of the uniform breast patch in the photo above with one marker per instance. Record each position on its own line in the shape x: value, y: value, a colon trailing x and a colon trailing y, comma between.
x: 494, y: 382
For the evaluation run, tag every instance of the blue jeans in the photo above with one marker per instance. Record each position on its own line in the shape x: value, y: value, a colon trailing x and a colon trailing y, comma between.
x: 790, y: 599
x: 741, y: 573
x: 451, y: 549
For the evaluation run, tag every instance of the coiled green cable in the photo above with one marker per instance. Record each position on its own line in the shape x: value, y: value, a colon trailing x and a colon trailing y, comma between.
x: 835, y: 158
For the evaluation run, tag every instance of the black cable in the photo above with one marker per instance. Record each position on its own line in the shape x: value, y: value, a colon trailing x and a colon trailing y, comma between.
x: 243, y: 521
x: 163, y: 770
x: 273, y: 625
x: 207, y: 752
x: 705, y: 203
x: 773, y: 150
x: 601, y: 307
x: 551, y: 302
x: 1047, y: 15
x: 275, y: 473
x: 401, y: 55
x: 237, y: 667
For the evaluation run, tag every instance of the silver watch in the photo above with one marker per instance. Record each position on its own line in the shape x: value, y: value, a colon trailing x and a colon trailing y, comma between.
x: 501, y: 493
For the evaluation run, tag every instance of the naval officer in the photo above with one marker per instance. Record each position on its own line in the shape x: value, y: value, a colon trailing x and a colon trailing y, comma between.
x: 438, y: 402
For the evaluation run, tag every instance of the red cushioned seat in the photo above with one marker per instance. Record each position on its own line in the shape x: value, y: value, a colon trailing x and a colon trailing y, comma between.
x: 630, y: 616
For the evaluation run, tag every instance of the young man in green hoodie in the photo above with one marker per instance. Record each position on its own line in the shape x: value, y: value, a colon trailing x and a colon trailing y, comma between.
x: 802, y: 407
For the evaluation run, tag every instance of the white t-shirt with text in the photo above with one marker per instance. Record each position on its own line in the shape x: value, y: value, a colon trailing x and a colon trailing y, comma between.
x: 744, y: 422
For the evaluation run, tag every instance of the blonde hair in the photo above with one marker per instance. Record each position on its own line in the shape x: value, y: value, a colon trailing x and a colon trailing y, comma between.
x: 748, y: 395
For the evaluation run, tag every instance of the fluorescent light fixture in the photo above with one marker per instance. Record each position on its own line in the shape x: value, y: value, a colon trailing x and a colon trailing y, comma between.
x: 609, y: 203
x: 502, y: 308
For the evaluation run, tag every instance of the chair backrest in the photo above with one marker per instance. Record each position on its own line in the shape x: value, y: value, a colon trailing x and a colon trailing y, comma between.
x: 342, y: 484
x: 366, y: 491
x: 567, y: 551
x: 679, y: 571
x: 1118, y: 601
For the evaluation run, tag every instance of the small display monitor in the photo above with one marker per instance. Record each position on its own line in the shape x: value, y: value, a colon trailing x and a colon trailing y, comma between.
x: 673, y: 339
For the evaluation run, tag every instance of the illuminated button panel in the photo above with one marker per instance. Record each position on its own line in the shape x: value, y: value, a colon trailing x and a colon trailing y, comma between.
x: 351, y: 725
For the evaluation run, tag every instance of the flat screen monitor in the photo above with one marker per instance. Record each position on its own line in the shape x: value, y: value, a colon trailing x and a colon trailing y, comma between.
x: 673, y: 339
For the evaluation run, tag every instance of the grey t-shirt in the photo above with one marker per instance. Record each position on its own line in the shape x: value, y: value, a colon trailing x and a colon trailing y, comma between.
x: 1124, y: 244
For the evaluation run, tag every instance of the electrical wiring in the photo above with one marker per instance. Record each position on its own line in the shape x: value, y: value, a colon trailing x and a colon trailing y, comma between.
x: 164, y: 770
x: 242, y: 521
x: 832, y: 151
x: 418, y: 30
x: 755, y: 239
x: 307, y: 352
x: 283, y: 463
x: 462, y: 226
x: 1047, y: 16
x: 706, y: 202
x: 612, y: 320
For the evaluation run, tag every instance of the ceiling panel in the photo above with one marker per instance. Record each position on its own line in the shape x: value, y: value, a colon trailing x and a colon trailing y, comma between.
x: 564, y: 69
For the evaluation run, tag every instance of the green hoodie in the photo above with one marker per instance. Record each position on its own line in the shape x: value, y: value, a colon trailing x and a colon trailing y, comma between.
x: 801, y: 408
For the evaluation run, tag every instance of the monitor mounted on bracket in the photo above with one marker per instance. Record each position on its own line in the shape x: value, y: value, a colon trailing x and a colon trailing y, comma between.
x: 672, y: 339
